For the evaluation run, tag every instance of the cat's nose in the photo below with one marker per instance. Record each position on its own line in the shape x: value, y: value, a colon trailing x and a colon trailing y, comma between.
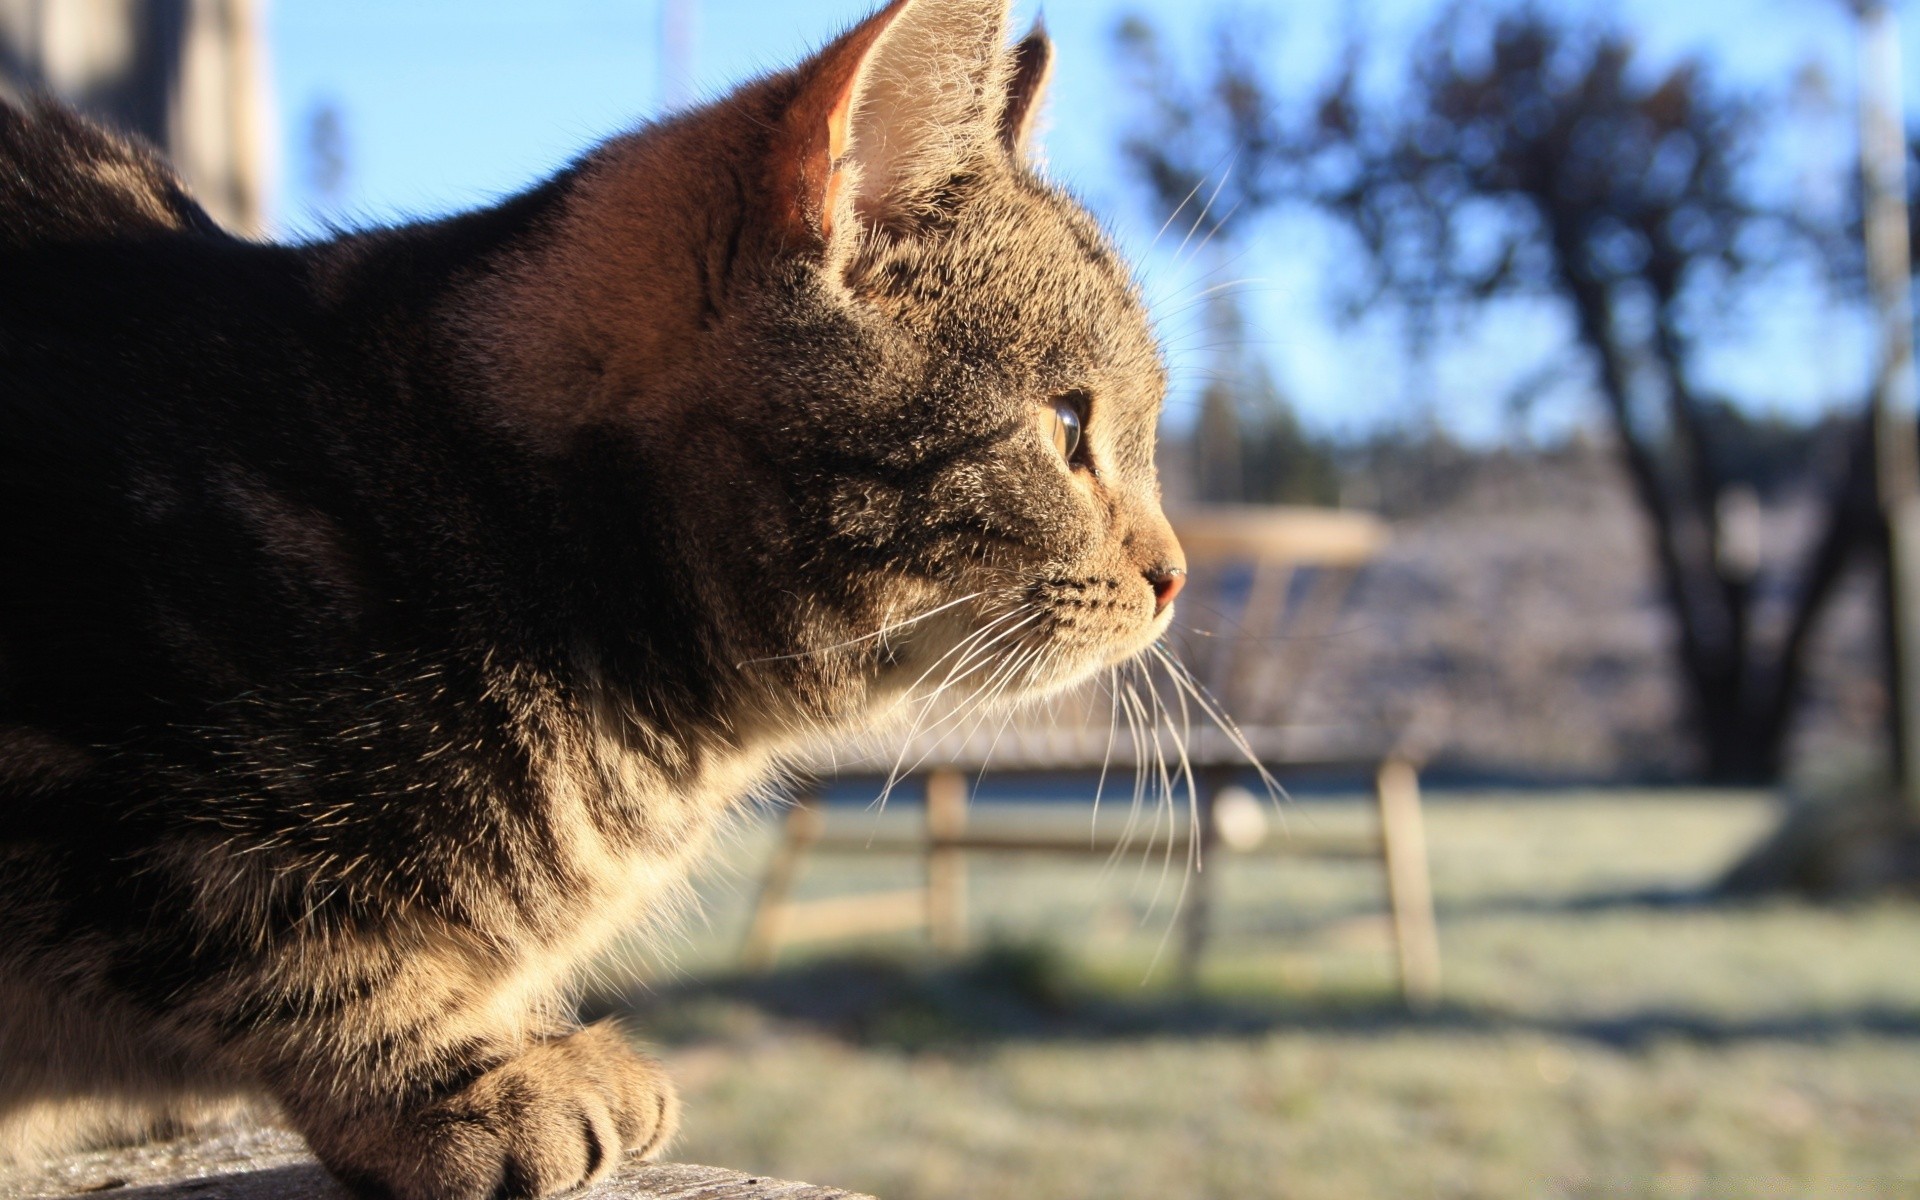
x: 1167, y: 581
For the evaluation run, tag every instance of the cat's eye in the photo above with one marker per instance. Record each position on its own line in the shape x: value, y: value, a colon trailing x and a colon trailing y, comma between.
x: 1064, y: 425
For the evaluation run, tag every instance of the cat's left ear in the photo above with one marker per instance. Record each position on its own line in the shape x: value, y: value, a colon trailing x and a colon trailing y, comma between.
x: 894, y: 110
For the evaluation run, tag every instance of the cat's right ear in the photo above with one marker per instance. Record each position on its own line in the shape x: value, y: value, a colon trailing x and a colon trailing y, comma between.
x: 1026, y: 88
x: 887, y: 114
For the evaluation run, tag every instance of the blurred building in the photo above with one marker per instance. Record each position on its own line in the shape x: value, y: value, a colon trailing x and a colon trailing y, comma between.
x: 187, y: 75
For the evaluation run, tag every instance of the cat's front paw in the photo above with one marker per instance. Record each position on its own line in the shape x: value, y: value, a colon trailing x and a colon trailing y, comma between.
x: 559, y: 1116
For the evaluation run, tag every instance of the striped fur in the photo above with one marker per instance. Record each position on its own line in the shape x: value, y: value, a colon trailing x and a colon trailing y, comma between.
x: 387, y: 623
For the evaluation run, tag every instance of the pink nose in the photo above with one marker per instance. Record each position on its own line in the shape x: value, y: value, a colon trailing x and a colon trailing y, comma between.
x: 1167, y: 582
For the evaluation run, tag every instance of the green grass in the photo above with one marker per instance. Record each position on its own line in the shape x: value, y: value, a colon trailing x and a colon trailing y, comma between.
x: 1604, y: 1034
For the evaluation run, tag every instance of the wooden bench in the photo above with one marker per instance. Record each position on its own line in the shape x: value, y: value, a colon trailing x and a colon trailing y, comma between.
x: 272, y: 1164
x: 1266, y: 587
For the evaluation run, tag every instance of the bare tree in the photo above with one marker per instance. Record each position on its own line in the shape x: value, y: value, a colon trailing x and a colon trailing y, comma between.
x: 1521, y: 157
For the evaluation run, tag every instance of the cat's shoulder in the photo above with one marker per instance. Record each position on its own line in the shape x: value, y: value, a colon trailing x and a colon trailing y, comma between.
x: 64, y: 178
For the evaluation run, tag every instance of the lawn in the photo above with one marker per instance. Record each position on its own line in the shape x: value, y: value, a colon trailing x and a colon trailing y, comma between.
x: 1605, y: 1034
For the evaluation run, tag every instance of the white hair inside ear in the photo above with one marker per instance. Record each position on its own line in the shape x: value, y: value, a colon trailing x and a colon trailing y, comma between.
x: 927, y: 97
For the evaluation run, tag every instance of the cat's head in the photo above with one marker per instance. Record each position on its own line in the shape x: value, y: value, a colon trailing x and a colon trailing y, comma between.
x: 884, y: 376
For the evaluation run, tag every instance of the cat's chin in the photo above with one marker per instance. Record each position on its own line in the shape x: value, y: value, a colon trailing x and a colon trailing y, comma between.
x: 1128, y: 649
x: 1049, y: 672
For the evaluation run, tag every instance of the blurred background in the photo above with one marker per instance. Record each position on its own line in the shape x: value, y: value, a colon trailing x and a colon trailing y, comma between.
x: 1543, y: 430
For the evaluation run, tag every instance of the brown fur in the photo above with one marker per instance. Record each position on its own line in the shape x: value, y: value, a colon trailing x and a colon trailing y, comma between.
x: 393, y: 620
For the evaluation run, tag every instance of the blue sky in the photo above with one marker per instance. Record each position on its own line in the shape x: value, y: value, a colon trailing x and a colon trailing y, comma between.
x: 446, y: 104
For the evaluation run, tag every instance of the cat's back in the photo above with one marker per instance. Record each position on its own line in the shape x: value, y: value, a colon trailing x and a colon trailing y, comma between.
x: 125, y: 302
x: 115, y: 274
x: 65, y: 180
x: 137, y: 341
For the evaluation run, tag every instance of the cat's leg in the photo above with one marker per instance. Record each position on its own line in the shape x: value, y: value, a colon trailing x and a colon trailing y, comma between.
x: 562, y: 1113
x: 80, y: 1067
x: 76, y: 1073
x: 418, y: 1072
x: 415, y: 1072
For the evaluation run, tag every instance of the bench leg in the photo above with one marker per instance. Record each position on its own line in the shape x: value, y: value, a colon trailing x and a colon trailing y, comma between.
x: 1403, y: 844
x: 946, y: 865
x: 804, y: 822
x: 1196, y: 920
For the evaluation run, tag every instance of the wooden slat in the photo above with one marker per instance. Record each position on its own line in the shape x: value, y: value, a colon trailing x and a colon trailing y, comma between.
x: 1244, y: 647
x: 1409, y: 891
x: 253, y: 1163
x: 852, y: 916
x: 805, y: 821
x: 946, y: 812
x: 1302, y: 845
x: 1299, y: 535
x: 1039, y: 749
x: 1295, y: 657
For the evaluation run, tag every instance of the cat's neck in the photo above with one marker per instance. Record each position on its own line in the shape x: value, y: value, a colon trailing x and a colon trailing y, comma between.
x: 606, y: 303
x: 561, y: 359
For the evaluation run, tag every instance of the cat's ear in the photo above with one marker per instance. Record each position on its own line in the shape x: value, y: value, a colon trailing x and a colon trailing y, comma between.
x: 1026, y: 88
x: 894, y: 109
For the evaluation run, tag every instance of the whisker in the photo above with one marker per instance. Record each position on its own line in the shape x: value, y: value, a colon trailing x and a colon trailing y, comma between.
x: 1186, y: 876
x: 1031, y: 659
x: 1207, y: 208
x: 962, y: 653
x: 985, y: 701
x: 983, y: 653
x: 1135, y: 714
x: 1168, y: 223
x: 1182, y: 742
x: 881, y: 632
x: 1106, y: 760
x: 1184, y: 679
x: 1217, y: 227
x: 1167, y: 792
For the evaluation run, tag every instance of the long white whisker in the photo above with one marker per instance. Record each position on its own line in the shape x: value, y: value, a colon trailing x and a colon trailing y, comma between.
x: 1156, y: 774
x: 1028, y: 666
x: 881, y: 632
x: 1184, y: 679
x: 980, y: 656
x: 1184, y: 201
x: 1186, y: 765
x: 1106, y: 760
x: 960, y: 650
x: 981, y: 705
x: 1186, y: 876
x: 1217, y: 227
x: 960, y: 654
x: 1138, y: 730
x: 1162, y: 718
x: 1207, y: 208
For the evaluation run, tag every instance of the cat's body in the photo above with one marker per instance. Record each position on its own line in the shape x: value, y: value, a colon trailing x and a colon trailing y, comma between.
x: 386, y: 623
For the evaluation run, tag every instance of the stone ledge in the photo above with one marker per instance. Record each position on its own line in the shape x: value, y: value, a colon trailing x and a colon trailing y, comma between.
x: 261, y: 1164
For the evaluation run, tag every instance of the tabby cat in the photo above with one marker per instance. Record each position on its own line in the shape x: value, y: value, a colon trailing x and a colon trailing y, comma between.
x: 386, y: 622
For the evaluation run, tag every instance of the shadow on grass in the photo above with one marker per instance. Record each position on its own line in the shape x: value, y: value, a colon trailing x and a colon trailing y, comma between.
x: 1028, y: 993
x: 1652, y: 899
x: 1455, y: 910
